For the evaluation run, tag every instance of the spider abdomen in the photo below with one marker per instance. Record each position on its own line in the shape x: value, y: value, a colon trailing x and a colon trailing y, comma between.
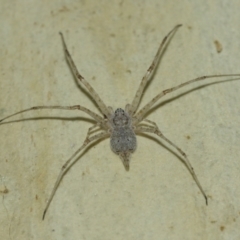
x: 123, y: 140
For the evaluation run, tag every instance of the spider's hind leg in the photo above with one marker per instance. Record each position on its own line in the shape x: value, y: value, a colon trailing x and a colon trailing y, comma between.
x: 154, y: 129
x: 67, y: 165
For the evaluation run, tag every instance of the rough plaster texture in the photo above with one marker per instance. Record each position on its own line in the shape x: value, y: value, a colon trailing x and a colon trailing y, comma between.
x: 113, y: 43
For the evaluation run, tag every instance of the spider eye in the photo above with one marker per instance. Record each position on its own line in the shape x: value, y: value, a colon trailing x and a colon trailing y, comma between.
x: 119, y: 111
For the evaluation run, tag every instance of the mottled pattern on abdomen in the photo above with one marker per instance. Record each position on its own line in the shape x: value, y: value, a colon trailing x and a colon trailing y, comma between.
x: 123, y: 139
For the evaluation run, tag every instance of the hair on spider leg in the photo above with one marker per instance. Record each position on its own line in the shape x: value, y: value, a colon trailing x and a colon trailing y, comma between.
x: 121, y: 125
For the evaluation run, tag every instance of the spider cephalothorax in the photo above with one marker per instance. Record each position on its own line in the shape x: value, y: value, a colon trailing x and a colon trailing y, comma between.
x: 120, y: 118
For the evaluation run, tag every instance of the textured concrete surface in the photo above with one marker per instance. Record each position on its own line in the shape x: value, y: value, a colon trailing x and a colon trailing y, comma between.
x: 113, y: 43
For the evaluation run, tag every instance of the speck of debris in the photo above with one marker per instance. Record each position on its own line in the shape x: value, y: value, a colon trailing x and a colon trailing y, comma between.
x: 222, y: 228
x: 218, y: 46
x: 4, y: 191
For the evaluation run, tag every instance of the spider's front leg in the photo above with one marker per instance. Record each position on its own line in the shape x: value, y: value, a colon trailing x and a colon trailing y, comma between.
x: 148, y: 75
x: 154, y: 129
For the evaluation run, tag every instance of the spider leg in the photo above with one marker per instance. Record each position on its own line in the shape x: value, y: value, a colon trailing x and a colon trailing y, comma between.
x: 133, y: 107
x: 67, y: 165
x: 95, y: 128
x: 140, y: 114
x: 154, y: 129
x: 76, y: 107
x: 152, y: 124
x: 104, y: 109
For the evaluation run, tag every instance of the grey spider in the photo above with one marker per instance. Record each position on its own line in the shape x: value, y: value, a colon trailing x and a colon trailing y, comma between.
x: 121, y: 125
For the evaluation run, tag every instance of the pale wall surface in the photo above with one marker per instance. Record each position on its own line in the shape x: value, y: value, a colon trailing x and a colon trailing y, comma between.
x: 113, y: 43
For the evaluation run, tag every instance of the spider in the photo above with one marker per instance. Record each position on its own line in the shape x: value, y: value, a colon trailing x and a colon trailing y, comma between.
x: 121, y: 126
